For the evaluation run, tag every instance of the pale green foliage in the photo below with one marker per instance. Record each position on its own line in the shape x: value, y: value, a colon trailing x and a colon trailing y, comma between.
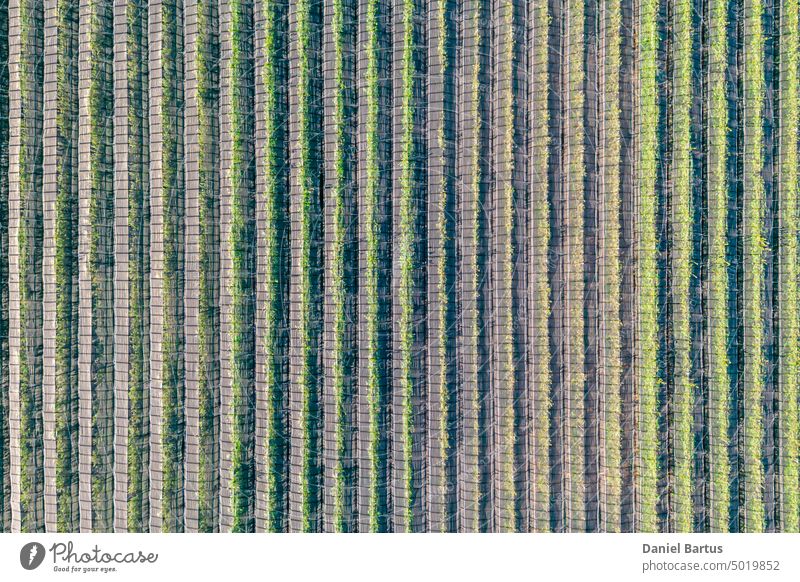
x: 719, y: 379
x: 754, y: 248
x: 789, y: 373
x: 648, y: 380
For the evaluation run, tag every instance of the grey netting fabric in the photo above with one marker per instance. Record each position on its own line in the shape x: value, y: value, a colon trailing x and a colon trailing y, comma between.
x: 408, y: 265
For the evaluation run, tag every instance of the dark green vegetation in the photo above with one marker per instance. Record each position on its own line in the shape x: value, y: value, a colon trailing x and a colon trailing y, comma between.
x: 274, y: 211
x: 716, y: 412
x: 207, y: 75
x: 539, y: 397
x: 754, y: 243
x: 239, y: 241
x: 353, y: 265
x: 678, y: 367
x: 138, y: 267
x: 374, y: 102
x: 98, y: 188
x: 305, y: 311
x: 65, y: 109
x: 171, y: 191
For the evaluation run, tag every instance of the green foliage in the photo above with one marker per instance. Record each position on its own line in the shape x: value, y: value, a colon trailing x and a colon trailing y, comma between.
x: 207, y: 61
x: 305, y: 178
x: 138, y: 269
x: 539, y: 441
x: 172, y: 200
x: 681, y: 243
x: 789, y: 359
x: 369, y: 218
x: 648, y: 380
x: 754, y: 249
x: 101, y: 264
x: 718, y: 377
x: 505, y: 255
x: 471, y: 212
x: 337, y: 259
x: 573, y: 230
x: 242, y: 237
x: 611, y: 293
x: 276, y: 216
x: 446, y: 249
x: 29, y: 241
x: 270, y: 243
x: 441, y: 304
x: 66, y: 269
x: 404, y: 240
x: 5, y: 456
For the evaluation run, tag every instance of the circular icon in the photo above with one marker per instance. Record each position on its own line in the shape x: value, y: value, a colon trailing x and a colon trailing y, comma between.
x: 31, y: 555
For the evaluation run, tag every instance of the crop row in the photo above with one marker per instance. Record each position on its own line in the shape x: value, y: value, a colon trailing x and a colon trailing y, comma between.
x: 171, y: 191
x: 470, y: 266
x: 275, y: 213
x: 97, y: 187
x: 647, y: 341
x: 539, y: 314
x: 138, y: 267
x: 5, y: 453
x: 239, y: 246
x: 789, y: 342
x: 306, y: 230
x: 25, y: 236
x: 609, y: 280
x: 753, y: 260
x: 441, y: 260
x: 63, y: 230
x: 718, y: 379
